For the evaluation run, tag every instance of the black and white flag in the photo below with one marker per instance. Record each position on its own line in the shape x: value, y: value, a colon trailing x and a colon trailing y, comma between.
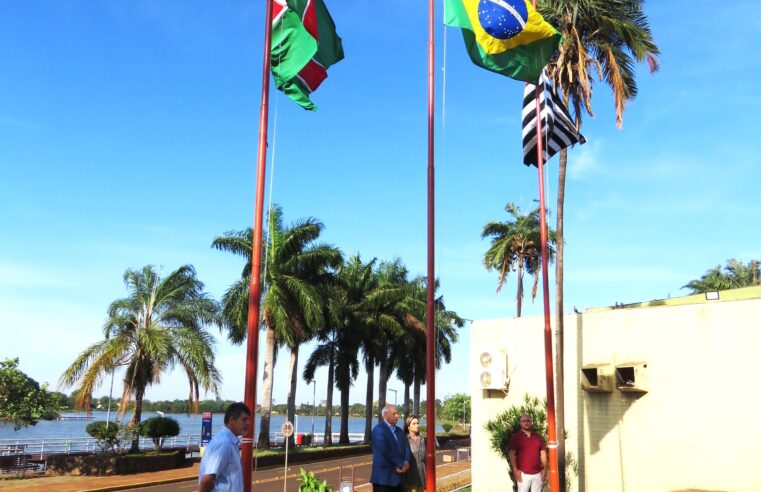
x: 558, y: 130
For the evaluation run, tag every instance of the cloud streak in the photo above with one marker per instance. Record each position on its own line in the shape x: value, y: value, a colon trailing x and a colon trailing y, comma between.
x: 16, y: 275
x: 16, y: 123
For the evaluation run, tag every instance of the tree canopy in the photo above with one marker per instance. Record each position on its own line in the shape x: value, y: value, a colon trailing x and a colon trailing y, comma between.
x: 734, y: 275
x: 23, y: 401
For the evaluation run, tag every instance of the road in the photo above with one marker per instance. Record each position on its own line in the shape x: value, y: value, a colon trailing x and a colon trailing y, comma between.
x: 271, y: 480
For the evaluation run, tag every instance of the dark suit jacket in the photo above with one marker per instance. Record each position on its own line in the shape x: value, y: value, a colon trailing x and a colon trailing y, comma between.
x: 388, y: 454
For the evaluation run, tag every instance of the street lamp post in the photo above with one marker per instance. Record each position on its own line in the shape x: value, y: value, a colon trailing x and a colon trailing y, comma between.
x: 314, y: 394
x: 110, y: 397
x: 394, y: 395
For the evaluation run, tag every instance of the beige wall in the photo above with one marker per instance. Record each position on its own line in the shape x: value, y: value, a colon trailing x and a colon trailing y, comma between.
x: 694, y: 428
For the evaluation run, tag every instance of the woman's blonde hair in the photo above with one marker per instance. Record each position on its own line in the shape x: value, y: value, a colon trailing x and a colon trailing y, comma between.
x: 408, y: 421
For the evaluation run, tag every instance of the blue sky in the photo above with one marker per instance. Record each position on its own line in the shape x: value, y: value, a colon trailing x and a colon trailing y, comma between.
x: 128, y: 137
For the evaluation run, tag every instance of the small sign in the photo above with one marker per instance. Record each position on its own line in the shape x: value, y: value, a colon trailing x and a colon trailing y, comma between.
x: 205, y: 428
x: 287, y: 429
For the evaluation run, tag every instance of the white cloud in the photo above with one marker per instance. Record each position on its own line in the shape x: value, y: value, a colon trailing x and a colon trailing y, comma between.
x: 15, y: 123
x: 614, y: 275
x: 18, y: 275
x: 583, y: 161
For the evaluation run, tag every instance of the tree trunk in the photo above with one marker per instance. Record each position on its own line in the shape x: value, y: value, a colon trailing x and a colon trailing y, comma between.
x: 559, y: 336
x: 134, y: 422
x: 267, y: 373
x: 406, y: 405
x: 327, y: 438
x: 291, y: 409
x: 344, y: 436
x: 519, y: 296
x: 382, y: 382
x: 416, y: 394
x: 370, y: 369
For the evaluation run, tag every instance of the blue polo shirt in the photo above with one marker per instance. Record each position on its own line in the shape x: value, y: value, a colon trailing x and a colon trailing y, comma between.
x: 221, y: 458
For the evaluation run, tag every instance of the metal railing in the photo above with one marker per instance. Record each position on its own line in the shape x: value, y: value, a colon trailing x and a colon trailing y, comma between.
x: 43, y: 447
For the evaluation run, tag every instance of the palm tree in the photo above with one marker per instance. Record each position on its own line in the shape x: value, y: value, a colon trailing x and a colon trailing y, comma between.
x: 340, y: 338
x: 157, y: 327
x: 325, y: 354
x: 396, y: 310
x: 736, y: 274
x: 412, y: 366
x: 516, y: 245
x: 606, y: 37
x: 292, y: 306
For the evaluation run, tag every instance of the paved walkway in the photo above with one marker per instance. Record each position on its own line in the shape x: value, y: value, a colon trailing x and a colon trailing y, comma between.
x: 449, y: 476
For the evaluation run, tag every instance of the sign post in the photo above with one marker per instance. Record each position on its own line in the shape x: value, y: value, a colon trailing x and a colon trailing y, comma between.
x: 205, y: 429
x: 287, y: 430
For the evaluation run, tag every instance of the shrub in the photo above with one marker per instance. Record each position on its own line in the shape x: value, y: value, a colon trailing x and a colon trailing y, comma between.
x: 107, y: 436
x: 447, y: 426
x: 310, y: 483
x: 504, y: 425
x: 159, y: 428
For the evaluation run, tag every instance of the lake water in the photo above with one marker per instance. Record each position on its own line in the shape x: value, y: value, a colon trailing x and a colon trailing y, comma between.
x: 189, y: 424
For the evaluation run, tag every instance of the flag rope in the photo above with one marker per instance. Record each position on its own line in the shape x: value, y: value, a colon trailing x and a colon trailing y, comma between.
x: 271, y: 185
x: 255, y: 440
x: 443, y: 157
x: 269, y: 244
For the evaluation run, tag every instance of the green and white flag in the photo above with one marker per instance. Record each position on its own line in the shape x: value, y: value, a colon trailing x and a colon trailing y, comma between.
x: 304, y: 45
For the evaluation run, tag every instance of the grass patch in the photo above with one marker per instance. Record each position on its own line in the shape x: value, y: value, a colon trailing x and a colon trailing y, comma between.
x: 147, y: 453
x: 279, y: 451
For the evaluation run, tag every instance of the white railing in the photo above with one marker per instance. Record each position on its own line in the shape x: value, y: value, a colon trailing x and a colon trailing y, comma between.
x: 319, y: 437
x: 42, y: 447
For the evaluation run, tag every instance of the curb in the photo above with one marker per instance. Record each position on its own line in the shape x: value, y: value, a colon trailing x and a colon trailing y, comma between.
x: 152, y: 483
x: 186, y: 478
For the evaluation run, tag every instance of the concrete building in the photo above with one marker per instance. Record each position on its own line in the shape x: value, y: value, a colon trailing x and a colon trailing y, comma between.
x: 659, y: 396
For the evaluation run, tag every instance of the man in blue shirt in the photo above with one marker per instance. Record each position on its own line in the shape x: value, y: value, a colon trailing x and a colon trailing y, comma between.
x: 220, y: 469
x: 391, y: 453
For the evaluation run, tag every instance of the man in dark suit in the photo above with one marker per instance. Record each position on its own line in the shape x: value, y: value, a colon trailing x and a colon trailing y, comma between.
x: 391, y: 453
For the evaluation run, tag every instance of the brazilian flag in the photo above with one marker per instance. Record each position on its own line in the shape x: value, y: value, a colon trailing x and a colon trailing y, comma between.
x: 508, y: 37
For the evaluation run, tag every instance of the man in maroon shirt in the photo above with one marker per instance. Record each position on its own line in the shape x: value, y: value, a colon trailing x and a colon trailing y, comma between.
x: 528, y: 457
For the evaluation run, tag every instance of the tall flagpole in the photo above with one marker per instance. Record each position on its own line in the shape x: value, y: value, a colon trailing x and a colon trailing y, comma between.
x: 430, y: 350
x: 552, y: 444
x: 255, y: 287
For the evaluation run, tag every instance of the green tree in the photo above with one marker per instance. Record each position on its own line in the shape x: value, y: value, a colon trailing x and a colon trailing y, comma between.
x: 341, y: 338
x: 409, y: 350
x: 457, y: 407
x: 23, y: 401
x: 105, y: 433
x: 382, y: 320
x: 357, y: 317
x: 158, y: 429
x: 606, y: 38
x: 735, y: 274
x: 507, y: 423
x: 160, y: 325
x: 397, y: 311
x: 63, y: 400
x: 516, y: 246
x: 292, y: 304
x: 357, y: 409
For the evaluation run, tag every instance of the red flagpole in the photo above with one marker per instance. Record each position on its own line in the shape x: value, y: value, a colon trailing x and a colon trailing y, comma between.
x: 255, y: 287
x: 430, y: 413
x: 552, y: 445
